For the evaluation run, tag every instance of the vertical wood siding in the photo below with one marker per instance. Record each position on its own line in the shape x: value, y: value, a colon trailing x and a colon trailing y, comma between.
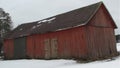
x: 8, y: 49
x: 100, y: 36
x: 71, y: 44
x: 30, y: 47
x: 94, y: 40
x: 101, y: 42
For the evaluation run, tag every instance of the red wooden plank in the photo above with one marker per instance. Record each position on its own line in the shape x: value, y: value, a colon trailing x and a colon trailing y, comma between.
x: 9, y: 48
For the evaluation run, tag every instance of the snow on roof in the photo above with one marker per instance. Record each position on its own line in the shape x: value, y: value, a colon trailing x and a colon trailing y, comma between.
x: 44, y: 20
x: 63, y: 29
x: 47, y: 20
x: 39, y: 22
x: 33, y: 27
x: 69, y: 27
x: 21, y: 29
x: 38, y: 25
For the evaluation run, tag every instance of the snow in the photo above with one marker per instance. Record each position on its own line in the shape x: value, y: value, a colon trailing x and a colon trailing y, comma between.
x: 3, y: 17
x: 118, y: 47
x: 64, y: 28
x: 35, y: 63
x: 70, y: 27
x: 21, y: 29
x: 44, y: 20
x: 60, y: 63
x: 33, y: 27
x: 38, y: 25
x: 47, y: 20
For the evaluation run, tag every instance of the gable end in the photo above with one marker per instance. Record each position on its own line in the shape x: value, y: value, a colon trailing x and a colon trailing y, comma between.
x: 102, y: 18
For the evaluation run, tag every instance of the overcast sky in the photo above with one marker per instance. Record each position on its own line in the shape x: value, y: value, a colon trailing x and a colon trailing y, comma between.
x: 23, y: 11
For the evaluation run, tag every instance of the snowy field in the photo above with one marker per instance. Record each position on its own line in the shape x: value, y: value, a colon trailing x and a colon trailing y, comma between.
x: 60, y: 63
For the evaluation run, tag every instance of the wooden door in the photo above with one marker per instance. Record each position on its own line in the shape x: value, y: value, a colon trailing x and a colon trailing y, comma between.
x: 47, y: 48
x: 54, y: 48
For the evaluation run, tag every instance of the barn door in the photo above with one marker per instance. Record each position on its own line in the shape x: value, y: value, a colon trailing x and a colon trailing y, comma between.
x: 20, y: 48
x: 54, y: 48
x: 47, y: 48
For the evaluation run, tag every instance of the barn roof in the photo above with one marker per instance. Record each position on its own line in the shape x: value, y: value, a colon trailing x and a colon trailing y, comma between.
x: 63, y: 21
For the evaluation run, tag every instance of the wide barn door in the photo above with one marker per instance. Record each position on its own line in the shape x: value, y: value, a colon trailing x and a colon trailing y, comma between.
x: 51, y: 48
x: 20, y: 48
x: 54, y: 48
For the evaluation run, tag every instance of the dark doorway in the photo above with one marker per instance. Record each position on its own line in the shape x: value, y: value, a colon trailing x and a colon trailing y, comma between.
x: 20, y: 48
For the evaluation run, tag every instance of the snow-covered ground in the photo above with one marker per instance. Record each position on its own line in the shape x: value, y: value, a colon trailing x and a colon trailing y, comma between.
x: 118, y: 47
x: 60, y: 63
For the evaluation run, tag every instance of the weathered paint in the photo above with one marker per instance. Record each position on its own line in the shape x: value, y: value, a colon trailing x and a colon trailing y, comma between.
x: 8, y: 48
x: 94, y: 40
x: 69, y: 44
x: 100, y: 36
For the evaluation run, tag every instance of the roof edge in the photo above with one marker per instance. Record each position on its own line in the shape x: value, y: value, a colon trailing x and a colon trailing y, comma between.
x: 111, y: 17
x: 100, y: 3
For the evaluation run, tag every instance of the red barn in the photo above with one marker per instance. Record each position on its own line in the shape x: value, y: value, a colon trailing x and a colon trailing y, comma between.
x: 85, y: 33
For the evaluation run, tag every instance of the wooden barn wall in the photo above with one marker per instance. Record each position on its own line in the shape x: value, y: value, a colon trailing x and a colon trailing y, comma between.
x: 8, y: 48
x: 102, y: 19
x: 101, y: 42
x: 94, y: 40
x: 71, y: 43
x: 100, y: 36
